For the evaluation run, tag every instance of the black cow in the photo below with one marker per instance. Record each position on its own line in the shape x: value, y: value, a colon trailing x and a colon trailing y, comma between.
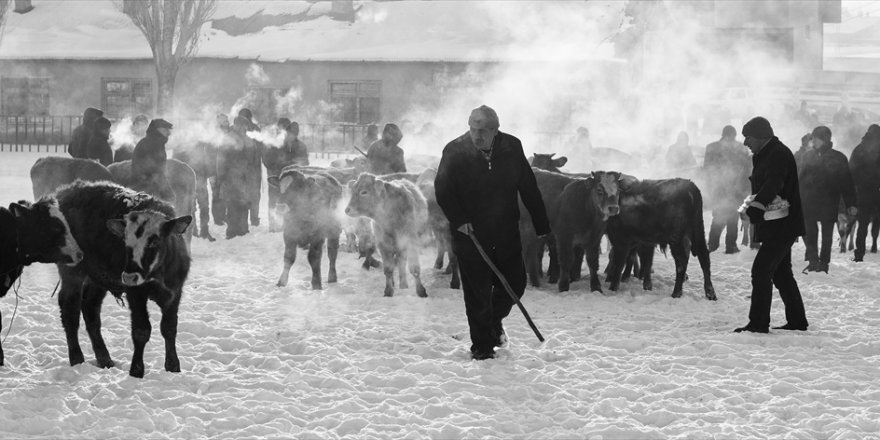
x: 51, y: 172
x: 133, y: 245
x: 310, y: 203
x: 547, y: 162
x: 665, y: 212
x: 33, y: 233
x: 399, y: 212
x: 439, y: 226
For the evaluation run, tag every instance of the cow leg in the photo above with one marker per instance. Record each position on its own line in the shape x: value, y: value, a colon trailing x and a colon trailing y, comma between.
x: 680, y: 250
x: 316, y: 248
x: 350, y: 242
x: 592, y: 252
x: 140, y: 332
x: 168, y: 327
x: 455, y: 283
x: 388, y: 269
x: 645, y: 254
x: 875, y: 230
x: 841, y: 231
x: 70, y: 303
x: 553, y: 266
x: 616, y: 260
x: 400, y: 259
x: 416, y: 270
x: 531, y: 250
x: 92, y: 298
x: 289, y: 259
x: 628, y: 266
x: 575, y: 273
x: 705, y: 265
x: 441, y: 248
x: 332, y: 253
x: 565, y: 252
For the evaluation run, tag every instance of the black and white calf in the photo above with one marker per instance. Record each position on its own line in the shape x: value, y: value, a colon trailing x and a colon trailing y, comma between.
x: 399, y: 213
x: 33, y: 233
x: 133, y: 244
x: 310, y: 203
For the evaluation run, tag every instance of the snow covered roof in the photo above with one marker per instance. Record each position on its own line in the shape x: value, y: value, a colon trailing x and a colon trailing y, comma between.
x: 381, y: 31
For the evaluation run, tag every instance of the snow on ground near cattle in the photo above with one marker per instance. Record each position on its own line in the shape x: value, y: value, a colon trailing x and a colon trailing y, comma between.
x: 259, y: 361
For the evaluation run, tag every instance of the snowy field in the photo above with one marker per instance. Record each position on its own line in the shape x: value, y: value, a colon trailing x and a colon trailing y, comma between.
x: 261, y: 361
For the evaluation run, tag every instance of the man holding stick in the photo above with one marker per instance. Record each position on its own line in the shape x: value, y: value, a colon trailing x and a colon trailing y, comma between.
x: 479, y: 178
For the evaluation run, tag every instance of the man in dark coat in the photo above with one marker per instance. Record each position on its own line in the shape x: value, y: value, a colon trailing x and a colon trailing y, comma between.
x: 202, y: 158
x: 148, y: 161
x: 805, y: 146
x: 291, y: 152
x: 864, y: 165
x: 727, y: 164
x: 371, y: 136
x: 479, y: 178
x: 824, y: 178
x: 233, y: 172
x: 83, y: 132
x: 253, y: 157
x: 98, y: 146
x: 385, y: 156
x: 679, y: 155
x: 774, y: 174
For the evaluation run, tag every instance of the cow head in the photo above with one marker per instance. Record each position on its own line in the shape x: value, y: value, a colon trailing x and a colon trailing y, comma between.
x: 146, y: 235
x: 606, y: 192
x: 547, y: 162
x: 366, y: 194
x: 43, y: 233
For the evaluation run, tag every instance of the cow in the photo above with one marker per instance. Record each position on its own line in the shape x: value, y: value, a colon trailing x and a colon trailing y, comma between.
x: 666, y: 212
x: 439, y: 226
x: 358, y: 162
x: 33, y: 233
x: 51, y: 172
x: 310, y: 203
x: 399, y: 212
x: 547, y: 162
x: 181, y: 177
x: 133, y: 245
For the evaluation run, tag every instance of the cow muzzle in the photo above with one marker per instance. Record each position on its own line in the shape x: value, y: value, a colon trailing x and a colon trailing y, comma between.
x: 132, y: 279
x: 613, y: 210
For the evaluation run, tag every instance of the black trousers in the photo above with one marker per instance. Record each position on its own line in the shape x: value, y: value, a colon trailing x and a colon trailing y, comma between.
x: 202, y: 201
x: 485, y: 300
x: 772, y: 267
x: 869, y: 203
x: 814, y: 253
x: 722, y: 218
x: 218, y: 208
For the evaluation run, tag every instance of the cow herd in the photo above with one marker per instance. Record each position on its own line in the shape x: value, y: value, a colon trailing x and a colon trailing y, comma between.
x: 105, y: 237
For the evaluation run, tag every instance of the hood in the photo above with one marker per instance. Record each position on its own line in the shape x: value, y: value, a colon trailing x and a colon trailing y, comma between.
x: 90, y: 115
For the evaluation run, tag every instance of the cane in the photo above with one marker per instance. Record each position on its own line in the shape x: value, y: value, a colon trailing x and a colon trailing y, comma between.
x: 506, y: 285
x: 359, y: 150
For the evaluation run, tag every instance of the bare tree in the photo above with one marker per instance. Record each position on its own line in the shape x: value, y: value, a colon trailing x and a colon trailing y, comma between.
x: 4, y: 9
x: 172, y: 28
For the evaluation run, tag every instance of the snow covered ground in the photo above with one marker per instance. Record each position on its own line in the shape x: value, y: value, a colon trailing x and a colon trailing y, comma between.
x: 261, y: 361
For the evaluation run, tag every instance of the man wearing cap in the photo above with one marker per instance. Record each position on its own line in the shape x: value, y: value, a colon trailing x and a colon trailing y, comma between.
x: 481, y: 177
x: 81, y: 134
x: 825, y: 178
x: 865, y: 170
x: 148, y: 161
x: 385, y: 155
x: 727, y: 164
x: 774, y: 174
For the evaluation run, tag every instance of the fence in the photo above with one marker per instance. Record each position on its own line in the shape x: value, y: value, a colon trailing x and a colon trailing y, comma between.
x: 53, y: 133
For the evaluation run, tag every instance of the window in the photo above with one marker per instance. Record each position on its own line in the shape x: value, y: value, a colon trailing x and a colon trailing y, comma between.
x: 24, y: 96
x: 359, y: 102
x: 122, y: 97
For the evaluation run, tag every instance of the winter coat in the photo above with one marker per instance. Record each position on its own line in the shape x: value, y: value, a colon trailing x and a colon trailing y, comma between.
x: 233, y: 167
x: 149, y: 156
x: 385, y: 159
x: 774, y: 173
x: 485, y: 192
x: 81, y: 134
x: 291, y: 152
x: 98, y: 148
x: 864, y: 163
x: 679, y: 157
x: 728, y: 166
x: 825, y: 178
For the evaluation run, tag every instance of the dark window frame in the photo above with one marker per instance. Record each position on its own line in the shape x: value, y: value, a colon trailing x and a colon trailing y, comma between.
x: 130, y: 103
x: 360, y: 101
x: 26, y: 103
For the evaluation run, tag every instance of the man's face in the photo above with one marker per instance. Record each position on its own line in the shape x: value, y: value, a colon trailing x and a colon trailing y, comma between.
x: 481, y: 131
x: 754, y: 143
x: 165, y: 131
x: 816, y: 142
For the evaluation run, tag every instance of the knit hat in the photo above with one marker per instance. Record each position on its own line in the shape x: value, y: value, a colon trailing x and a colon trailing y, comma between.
x: 728, y: 131
x: 156, y: 124
x: 822, y: 132
x: 246, y: 113
x: 758, y: 127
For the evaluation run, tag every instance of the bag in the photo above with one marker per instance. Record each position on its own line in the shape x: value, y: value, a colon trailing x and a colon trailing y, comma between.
x: 776, y: 210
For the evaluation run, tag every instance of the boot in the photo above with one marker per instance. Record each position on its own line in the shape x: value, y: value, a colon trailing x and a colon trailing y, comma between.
x: 205, y: 233
x: 858, y: 255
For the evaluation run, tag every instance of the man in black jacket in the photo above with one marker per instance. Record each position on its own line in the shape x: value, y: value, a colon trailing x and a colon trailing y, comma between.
x: 479, y: 178
x: 98, y: 146
x: 864, y: 165
x: 774, y: 174
x: 148, y: 161
x: 81, y: 134
x: 727, y: 164
x: 824, y: 178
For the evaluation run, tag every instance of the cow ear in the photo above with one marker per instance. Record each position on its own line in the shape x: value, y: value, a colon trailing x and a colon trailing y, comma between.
x: 176, y: 225
x: 560, y: 161
x: 273, y: 181
x: 626, y: 180
x: 116, y: 226
x: 18, y: 210
x: 285, y: 183
x: 550, y: 156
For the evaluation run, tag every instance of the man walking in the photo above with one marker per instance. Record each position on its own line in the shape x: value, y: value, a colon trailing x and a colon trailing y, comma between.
x: 727, y: 165
x: 480, y: 177
x: 774, y: 177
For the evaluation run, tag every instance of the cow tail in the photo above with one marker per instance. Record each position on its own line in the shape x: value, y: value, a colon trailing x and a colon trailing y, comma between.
x: 698, y: 231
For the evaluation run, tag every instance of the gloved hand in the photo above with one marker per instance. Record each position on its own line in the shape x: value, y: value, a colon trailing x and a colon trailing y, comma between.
x: 755, y: 215
x: 852, y: 211
x: 466, y: 229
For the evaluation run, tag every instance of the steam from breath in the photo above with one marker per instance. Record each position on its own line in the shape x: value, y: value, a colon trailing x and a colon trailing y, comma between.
x: 121, y: 134
x: 569, y: 77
